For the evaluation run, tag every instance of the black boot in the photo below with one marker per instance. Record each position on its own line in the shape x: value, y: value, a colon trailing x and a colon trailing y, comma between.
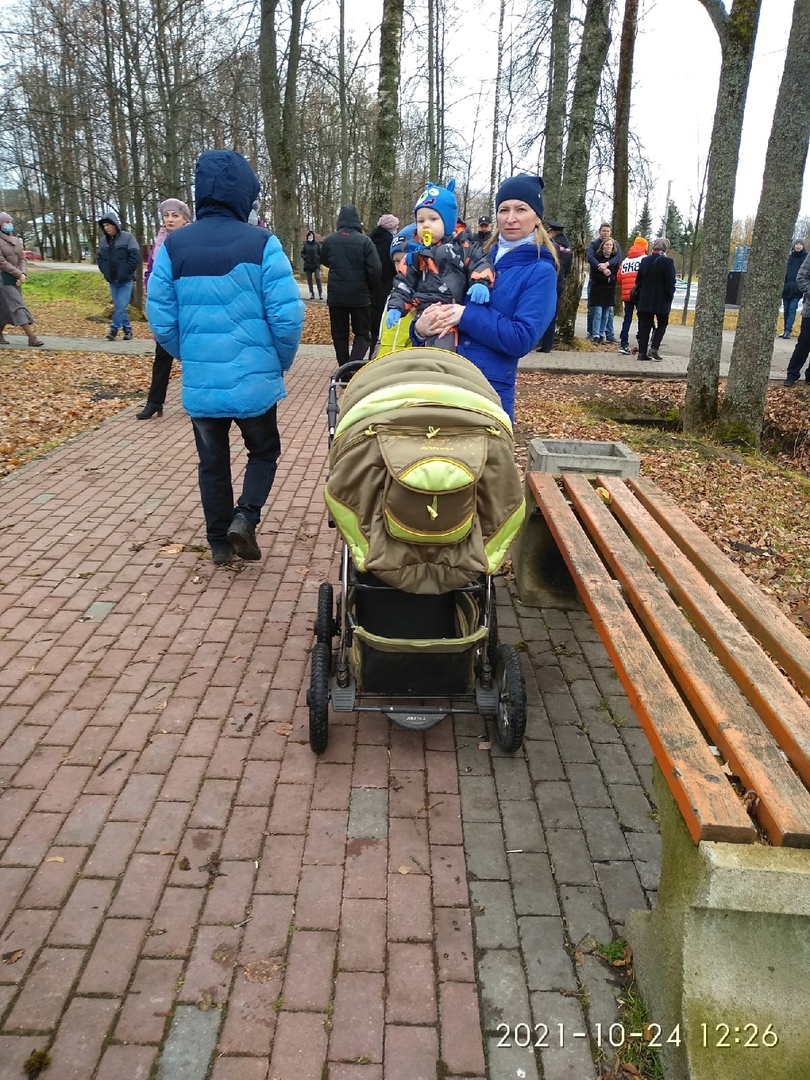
x: 242, y: 537
x: 150, y: 409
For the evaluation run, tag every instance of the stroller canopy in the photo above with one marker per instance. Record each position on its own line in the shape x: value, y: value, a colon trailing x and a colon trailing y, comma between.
x: 423, y: 485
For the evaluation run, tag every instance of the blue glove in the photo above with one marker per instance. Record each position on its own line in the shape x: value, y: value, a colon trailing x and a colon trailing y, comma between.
x: 478, y: 293
x: 392, y: 318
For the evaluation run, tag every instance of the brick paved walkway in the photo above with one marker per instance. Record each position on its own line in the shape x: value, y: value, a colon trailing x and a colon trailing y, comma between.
x: 187, y: 892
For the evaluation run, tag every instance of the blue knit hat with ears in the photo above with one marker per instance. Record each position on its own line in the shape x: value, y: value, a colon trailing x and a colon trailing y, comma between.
x: 443, y: 201
x: 528, y: 189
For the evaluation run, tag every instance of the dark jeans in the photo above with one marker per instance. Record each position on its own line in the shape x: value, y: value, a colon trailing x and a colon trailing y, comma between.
x: 790, y: 307
x: 360, y: 317
x: 646, y: 321
x: 801, y: 352
x: 263, y: 445
x: 624, y: 333
x: 317, y: 275
x: 161, y: 372
x: 547, y: 340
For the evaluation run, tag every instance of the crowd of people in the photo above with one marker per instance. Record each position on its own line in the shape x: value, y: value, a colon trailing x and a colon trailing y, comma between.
x: 221, y: 295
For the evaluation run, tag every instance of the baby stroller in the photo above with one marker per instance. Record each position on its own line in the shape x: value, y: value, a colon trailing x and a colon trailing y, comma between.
x: 424, y: 491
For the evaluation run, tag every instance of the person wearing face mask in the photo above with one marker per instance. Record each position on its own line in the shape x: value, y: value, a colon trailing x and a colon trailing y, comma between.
x: 174, y: 214
x: 13, y: 272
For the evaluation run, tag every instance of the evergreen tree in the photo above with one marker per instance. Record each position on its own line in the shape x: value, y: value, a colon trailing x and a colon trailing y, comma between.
x: 644, y: 227
x: 673, y: 228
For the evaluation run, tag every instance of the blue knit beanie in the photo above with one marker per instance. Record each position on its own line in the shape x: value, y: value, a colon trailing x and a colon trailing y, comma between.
x: 528, y: 189
x: 404, y: 238
x: 443, y: 201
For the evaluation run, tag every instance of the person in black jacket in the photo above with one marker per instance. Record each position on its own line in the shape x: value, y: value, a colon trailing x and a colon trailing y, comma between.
x: 614, y: 262
x: 791, y: 295
x: 556, y: 230
x: 656, y: 288
x: 381, y: 237
x: 118, y: 259
x: 354, y: 270
x: 311, y: 256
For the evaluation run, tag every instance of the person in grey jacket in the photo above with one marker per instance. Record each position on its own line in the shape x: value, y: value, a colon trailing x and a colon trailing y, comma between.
x: 802, y: 350
x: 118, y: 259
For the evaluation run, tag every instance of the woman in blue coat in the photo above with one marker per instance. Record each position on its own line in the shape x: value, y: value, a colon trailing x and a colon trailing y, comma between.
x: 496, y: 335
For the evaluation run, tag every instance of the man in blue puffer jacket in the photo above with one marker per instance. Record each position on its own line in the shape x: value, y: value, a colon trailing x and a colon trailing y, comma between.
x: 224, y: 301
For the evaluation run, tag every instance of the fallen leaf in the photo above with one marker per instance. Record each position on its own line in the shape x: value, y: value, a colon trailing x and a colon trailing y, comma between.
x: 55, y: 858
x: 13, y: 956
x: 184, y: 864
x: 171, y: 549
x: 485, y: 746
x: 206, y: 1001
x: 404, y: 870
x: 167, y: 851
x: 284, y: 729
x: 629, y: 1069
x: 261, y: 971
x: 161, y: 705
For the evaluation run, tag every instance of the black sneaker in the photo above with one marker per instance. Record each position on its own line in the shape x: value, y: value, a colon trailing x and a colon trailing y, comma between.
x: 655, y: 355
x: 221, y: 553
x: 790, y: 382
x: 113, y: 334
x: 127, y: 335
x: 242, y: 536
x: 625, y: 350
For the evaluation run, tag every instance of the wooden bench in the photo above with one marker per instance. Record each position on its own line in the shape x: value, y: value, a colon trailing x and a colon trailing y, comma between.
x: 695, y: 645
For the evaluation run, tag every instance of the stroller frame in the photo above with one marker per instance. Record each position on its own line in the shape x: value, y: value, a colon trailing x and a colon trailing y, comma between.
x: 495, y: 691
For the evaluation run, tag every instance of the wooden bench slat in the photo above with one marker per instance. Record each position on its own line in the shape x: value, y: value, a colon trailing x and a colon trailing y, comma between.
x: 784, y: 641
x: 707, y: 801
x: 781, y: 708
x: 751, y: 750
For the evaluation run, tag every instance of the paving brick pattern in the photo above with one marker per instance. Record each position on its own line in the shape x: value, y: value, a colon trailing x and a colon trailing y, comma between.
x: 192, y: 893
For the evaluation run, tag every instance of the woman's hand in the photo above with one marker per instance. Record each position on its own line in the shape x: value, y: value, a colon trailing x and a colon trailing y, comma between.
x: 438, y: 319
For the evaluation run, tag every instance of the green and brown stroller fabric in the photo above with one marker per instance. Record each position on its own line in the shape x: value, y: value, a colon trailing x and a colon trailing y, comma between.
x: 422, y: 480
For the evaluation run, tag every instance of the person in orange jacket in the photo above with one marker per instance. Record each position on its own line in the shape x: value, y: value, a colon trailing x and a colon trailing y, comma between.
x: 626, y: 279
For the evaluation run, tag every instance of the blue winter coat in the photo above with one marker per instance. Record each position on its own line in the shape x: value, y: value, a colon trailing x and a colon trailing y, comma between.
x: 223, y: 299
x: 495, y: 336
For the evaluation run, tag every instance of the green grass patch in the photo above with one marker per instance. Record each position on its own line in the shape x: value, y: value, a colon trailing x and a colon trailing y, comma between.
x: 78, y: 285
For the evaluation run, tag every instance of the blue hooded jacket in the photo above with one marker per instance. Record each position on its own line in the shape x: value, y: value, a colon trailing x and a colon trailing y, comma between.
x: 496, y: 335
x: 223, y: 299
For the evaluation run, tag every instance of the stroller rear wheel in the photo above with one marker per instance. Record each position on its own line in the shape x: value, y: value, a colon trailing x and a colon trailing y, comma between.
x: 324, y: 623
x: 510, y: 720
x: 318, y: 697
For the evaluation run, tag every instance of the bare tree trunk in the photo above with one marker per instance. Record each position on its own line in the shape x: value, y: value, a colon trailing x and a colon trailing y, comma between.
x: 621, y: 158
x: 592, y: 56
x: 344, y: 119
x: 743, y: 408
x: 555, y: 115
x: 493, y: 175
x: 384, y: 156
x: 693, y: 244
x: 737, y: 30
x: 281, y: 118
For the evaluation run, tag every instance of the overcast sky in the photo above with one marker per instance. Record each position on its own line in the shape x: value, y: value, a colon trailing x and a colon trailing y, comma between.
x: 677, y: 63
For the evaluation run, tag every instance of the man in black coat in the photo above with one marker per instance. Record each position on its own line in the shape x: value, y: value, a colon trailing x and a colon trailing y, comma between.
x: 311, y: 257
x: 655, y: 282
x: 556, y: 230
x: 354, y: 270
x: 791, y: 294
x: 381, y: 237
x: 118, y: 259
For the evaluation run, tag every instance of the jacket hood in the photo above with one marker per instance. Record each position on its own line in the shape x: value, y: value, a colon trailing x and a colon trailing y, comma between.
x: 635, y: 251
x: 112, y: 218
x: 224, y: 183
x: 348, y: 218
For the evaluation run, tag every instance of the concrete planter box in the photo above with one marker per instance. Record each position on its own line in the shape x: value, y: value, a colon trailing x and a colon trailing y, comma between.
x: 541, y: 575
x: 582, y: 456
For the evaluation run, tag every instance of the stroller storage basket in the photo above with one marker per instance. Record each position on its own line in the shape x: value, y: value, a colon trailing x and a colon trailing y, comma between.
x: 433, y: 652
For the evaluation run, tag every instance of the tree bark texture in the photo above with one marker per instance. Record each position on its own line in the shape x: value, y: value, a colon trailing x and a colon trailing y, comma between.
x: 555, y: 115
x: 281, y: 118
x: 737, y: 37
x: 621, y: 156
x: 384, y: 157
x: 592, y: 56
x: 743, y: 408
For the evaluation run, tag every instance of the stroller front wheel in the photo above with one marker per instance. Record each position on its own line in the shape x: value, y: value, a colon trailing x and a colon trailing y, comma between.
x: 318, y: 697
x: 324, y: 623
x: 510, y: 720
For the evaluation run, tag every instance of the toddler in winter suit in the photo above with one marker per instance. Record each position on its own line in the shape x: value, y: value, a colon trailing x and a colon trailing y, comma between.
x: 446, y: 266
